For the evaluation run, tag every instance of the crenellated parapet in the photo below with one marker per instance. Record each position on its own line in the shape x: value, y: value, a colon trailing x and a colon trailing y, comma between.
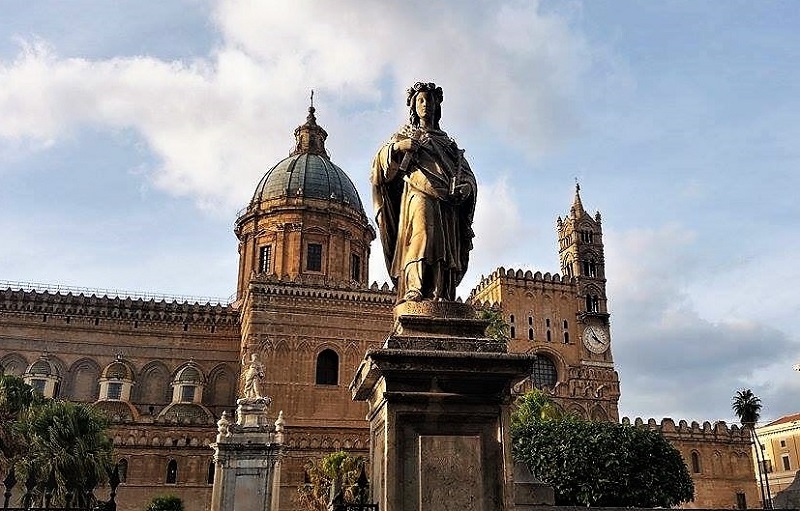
x: 717, y: 432
x: 23, y: 301
x: 527, y: 278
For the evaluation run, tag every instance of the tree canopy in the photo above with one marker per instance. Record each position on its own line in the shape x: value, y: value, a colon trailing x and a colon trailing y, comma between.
x: 746, y: 406
x: 46, y: 436
x: 497, y: 329
x: 599, y: 463
x: 165, y: 503
x: 339, y: 469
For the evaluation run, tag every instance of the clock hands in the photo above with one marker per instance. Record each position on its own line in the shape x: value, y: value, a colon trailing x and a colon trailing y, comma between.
x: 594, y: 336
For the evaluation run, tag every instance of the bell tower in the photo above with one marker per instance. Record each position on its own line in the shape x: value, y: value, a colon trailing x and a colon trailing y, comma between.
x: 580, y: 240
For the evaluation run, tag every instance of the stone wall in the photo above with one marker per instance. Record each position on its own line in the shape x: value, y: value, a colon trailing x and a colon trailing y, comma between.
x: 718, y: 459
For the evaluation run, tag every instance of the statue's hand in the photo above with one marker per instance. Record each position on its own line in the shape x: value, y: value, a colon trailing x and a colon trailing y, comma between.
x: 461, y: 192
x: 406, y: 145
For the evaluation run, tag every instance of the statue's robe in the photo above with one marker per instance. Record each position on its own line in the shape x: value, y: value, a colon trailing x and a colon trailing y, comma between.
x: 419, y: 217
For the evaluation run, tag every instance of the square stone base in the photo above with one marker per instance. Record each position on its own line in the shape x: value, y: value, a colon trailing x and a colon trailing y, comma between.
x: 439, y: 425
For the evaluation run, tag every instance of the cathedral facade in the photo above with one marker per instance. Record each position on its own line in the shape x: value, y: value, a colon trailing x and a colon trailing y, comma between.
x: 164, y: 370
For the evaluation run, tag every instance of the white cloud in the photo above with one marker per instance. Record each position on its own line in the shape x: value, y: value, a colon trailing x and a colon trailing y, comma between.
x: 216, y: 123
x: 672, y: 360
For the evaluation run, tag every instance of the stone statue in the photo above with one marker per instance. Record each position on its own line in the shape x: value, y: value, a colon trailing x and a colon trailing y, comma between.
x: 424, y: 198
x: 252, y: 377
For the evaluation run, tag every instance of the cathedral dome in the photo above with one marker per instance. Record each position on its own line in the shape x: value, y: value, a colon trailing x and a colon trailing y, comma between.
x: 308, y: 172
x: 307, y: 175
x: 306, y: 222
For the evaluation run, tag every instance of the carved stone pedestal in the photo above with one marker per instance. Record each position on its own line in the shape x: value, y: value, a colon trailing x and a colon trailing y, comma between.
x: 247, y: 455
x: 439, y: 396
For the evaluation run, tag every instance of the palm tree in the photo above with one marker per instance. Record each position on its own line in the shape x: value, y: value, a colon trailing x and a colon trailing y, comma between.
x: 335, y: 475
x: 69, y: 441
x: 497, y: 328
x: 15, y: 397
x: 747, y: 406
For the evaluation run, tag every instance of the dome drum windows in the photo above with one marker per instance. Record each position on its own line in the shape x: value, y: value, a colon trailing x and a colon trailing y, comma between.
x: 314, y: 257
x: 265, y: 259
x: 355, y: 267
x: 117, y: 380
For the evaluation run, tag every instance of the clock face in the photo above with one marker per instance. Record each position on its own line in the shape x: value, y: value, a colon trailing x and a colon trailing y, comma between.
x: 595, y: 339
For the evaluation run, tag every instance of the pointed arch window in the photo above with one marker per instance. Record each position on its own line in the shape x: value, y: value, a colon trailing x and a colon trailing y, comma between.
x: 695, y: 462
x: 122, y: 468
x: 172, y: 472
x: 592, y: 303
x: 212, y: 468
x: 327, y: 368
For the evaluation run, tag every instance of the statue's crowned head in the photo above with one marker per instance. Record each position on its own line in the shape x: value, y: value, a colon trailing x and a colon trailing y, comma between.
x: 435, y: 96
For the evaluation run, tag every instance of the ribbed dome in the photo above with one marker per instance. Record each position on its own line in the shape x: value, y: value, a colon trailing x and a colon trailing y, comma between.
x: 119, y: 369
x: 190, y: 373
x: 307, y: 175
x: 42, y: 367
x: 187, y: 412
x: 308, y: 172
x: 117, y: 411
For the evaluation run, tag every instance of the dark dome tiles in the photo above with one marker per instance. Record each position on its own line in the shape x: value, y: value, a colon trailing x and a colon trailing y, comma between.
x: 315, y: 175
x: 296, y: 171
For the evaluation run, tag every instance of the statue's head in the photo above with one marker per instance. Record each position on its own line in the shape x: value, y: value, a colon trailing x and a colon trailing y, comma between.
x: 425, y: 97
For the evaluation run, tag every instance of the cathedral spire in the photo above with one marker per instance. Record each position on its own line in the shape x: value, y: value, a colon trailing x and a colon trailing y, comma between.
x: 310, y: 136
x: 577, y: 210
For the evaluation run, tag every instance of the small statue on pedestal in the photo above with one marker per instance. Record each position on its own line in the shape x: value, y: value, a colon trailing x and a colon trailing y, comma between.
x: 252, y: 378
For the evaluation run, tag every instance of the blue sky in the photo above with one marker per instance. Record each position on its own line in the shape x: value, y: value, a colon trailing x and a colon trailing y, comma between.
x: 132, y: 132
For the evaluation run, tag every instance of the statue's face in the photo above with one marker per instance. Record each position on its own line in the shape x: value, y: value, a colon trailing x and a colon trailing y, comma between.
x: 425, y: 105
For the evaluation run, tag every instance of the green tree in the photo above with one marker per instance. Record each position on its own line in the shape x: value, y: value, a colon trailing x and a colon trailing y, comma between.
x: 747, y: 406
x: 15, y: 397
x: 498, y: 329
x: 339, y: 468
x: 598, y: 463
x: 532, y: 406
x: 68, y: 440
x: 165, y: 503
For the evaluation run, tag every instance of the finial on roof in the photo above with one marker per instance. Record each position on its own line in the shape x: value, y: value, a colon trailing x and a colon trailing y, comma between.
x: 577, y: 206
x: 310, y: 137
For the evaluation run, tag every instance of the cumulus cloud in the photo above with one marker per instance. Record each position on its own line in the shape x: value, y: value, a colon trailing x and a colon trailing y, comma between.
x: 215, y: 122
x: 666, y: 351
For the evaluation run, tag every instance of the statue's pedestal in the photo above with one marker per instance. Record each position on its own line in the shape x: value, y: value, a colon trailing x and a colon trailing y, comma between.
x: 247, y: 454
x: 439, y: 394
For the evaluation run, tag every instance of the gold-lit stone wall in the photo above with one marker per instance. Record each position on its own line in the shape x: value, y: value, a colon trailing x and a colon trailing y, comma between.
x: 81, y: 335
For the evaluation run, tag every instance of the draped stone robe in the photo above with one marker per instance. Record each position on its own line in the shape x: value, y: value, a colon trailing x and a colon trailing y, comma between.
x: 424, y: 210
